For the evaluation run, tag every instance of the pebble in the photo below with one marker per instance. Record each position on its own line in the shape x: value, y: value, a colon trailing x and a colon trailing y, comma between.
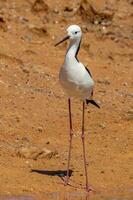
x: 39, y: 129
x: 125, y: 84
x: 102, y: 125
x: 23, y: 19
x: 40, y: 5
x: 46, y: 153
x: 106, y: 23
x: 56, y: 11
x: 53, y: 37
x: 96, y: 22
x: 129, y: 116
x: 68, y: 9
x: 104, y: 30
x: 27, y: 38
x: 104, y: 81
x: 56, y: 22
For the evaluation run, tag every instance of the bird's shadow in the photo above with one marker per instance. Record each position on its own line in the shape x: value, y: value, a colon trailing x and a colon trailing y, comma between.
x: 59, y: 173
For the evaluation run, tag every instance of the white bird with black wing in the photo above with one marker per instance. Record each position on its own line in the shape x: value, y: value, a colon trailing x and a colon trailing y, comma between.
x: 77, y: 82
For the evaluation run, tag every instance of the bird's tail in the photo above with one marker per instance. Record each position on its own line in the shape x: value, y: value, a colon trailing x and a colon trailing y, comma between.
x: 92, y: 102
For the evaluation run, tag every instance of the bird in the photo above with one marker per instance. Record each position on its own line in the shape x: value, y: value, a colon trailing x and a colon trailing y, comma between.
x: 77, y: 82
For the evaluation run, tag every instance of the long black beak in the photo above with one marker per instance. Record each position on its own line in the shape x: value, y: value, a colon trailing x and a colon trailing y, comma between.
x: 65, y: 38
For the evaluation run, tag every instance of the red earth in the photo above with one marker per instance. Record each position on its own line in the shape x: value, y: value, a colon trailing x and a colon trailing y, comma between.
x: 34, y: 112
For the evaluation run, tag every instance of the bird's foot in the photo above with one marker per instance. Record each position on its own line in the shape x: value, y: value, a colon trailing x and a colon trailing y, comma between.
x: 65, y: 181
x: 89, y: 188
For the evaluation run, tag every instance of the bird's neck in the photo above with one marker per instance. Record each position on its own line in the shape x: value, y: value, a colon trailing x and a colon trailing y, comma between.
x: 73, y: 49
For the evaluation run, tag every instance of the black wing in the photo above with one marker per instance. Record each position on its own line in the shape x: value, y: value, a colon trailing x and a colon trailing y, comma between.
x: 92, y: 102
x: 77, y: 51
x: 88, y: 71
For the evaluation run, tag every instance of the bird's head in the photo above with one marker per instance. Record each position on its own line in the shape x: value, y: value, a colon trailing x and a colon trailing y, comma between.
x: 73, y: 33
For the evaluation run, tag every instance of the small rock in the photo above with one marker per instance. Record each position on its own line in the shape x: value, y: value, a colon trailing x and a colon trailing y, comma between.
x: 39, y: 129
x: 106, y: 23
x: 27, y: 38
x: 46, y: 153
x: 102, y: 125
x: 53, y: 37
x: 23, y: 19
x: 33, y: 152
x: 38, y: 30
x: 25, y: 139
x: 125, y: 84
x: 116, y: 39
x: 129, y: 94
x: 129, y: 116
x: 3, y: 24
x: 104, y: 81
x: 96, y: 22
x: 39, y: 5
x: 102, y: 91
x: 110, y: 57
x: 27, y: 162
x: 56, y: 11
x: 104, y: 30
x: 68, y: 9
x: 25, y: 70
x: 56, y: 22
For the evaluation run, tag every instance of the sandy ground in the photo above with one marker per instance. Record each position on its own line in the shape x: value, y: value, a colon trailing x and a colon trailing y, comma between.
x: 34, y: 113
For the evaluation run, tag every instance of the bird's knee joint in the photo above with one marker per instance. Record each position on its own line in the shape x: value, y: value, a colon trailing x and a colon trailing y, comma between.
x: 82, y: 137
x: 71, y: 134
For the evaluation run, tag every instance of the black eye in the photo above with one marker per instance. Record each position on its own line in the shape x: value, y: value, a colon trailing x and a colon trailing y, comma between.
x: 76, y: 32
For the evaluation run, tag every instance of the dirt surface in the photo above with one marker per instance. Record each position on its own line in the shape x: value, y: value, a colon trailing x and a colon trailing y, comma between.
x: 34, y: 113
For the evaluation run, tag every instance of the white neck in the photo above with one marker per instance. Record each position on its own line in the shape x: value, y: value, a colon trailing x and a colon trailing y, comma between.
x: 72, y: 49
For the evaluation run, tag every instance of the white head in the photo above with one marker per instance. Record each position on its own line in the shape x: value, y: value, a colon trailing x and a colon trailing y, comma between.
x: 73, y: 33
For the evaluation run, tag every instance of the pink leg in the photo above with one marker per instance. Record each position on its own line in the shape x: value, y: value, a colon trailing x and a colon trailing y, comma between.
x: 70, y: 142
x: 83, y: 142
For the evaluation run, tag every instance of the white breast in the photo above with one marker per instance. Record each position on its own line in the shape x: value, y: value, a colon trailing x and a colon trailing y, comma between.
x: 75, y: 79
